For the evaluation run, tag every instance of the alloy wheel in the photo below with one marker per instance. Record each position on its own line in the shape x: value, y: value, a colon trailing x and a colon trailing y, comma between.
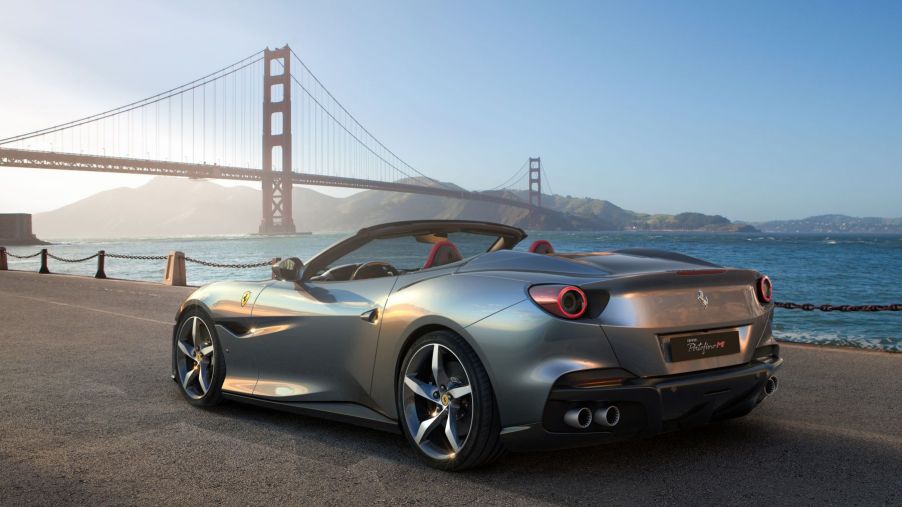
x: 438, y: 401
x: 195, y: 359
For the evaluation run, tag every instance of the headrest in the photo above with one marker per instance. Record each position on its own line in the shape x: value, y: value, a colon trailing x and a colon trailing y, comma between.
x: 443, y: 252
x: 541, y: 246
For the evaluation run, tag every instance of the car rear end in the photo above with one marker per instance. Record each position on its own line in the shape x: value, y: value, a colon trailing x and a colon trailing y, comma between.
x: 693, y: 344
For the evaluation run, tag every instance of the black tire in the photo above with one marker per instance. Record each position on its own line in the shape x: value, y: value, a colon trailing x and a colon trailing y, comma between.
x: 213, y: 394
x: 483, y: 442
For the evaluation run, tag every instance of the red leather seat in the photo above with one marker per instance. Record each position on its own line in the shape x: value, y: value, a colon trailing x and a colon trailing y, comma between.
x: 443, y: 252
x: 541, y: 246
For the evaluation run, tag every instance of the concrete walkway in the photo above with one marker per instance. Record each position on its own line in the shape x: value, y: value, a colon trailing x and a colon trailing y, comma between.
x: 89, y: 415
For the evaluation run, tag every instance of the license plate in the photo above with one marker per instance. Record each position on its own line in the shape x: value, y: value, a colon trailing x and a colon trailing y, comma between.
x: 685, y: 348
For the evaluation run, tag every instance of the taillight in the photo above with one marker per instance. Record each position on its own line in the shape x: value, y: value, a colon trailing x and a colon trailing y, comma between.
x: 565, y: 301
x: 765, y: 290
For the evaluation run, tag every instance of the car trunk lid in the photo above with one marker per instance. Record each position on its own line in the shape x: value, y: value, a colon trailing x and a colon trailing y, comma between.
x: 680, y: 321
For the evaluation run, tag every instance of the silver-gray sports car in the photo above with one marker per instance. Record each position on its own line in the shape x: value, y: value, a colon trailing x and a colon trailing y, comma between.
x: 444, y: 332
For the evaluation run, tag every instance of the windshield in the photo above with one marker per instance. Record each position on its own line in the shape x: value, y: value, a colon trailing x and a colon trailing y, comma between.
x: 410, y: 253
x: 402, y: 247
x: 396, y: 255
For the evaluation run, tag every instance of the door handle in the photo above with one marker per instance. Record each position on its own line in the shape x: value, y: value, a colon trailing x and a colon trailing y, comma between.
x: 370, y: 316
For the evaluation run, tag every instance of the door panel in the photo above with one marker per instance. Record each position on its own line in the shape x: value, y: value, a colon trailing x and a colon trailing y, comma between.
x: 316, y: 341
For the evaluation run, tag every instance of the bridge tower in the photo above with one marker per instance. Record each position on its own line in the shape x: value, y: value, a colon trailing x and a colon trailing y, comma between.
x: 277, y: 181
x: 535, y: 191
x: 535, y: 181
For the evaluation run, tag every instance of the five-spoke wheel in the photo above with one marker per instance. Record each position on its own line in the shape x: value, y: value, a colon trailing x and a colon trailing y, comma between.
x: 445, y: 403
x: 195, y: 359
x: 438, y: 401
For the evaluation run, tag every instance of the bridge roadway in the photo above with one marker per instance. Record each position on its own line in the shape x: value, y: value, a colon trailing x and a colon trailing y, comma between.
x: 93, y: 163
x: 88, y: 415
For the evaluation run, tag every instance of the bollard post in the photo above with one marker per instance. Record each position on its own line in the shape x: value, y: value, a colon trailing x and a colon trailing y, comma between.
x: 175, y: 269
x: 44, y: 270
x: 101, y: 260
x: 3, y: 264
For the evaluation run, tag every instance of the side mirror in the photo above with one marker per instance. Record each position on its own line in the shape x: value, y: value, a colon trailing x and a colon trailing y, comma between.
x: 288, y: 269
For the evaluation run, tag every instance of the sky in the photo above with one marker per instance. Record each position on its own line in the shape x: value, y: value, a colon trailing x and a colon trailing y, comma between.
x: 754, y: 110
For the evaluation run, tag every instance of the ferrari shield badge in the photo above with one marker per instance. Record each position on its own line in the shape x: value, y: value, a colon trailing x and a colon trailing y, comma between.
x: 245, y: 297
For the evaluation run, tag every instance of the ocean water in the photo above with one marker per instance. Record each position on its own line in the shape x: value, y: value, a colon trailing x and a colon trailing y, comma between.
x: 805, y: 268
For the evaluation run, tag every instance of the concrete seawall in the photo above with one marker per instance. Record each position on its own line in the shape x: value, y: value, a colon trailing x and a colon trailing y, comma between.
x: 89, y: 415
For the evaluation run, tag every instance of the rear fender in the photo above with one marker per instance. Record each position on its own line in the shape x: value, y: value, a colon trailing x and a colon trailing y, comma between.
x: 448, y: 301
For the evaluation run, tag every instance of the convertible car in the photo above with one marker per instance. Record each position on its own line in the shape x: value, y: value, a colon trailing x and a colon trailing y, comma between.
x: 442, y: 331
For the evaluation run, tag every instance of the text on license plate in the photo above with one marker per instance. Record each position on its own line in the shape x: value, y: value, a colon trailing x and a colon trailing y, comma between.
x: 685, y: 348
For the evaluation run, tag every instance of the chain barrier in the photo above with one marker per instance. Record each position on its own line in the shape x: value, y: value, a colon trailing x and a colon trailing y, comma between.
x: 808, y: 307
x: 149, y: 258
x: 138, y: 257
x: 234, y: 266
x: 22, y: 256
x: 63, y: 259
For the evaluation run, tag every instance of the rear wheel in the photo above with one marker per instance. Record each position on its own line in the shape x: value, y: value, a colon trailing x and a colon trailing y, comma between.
x: 197, y: 359
x: 446, y: 405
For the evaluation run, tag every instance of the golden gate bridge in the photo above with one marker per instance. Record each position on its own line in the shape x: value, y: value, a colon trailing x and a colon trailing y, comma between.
x: 264, y: 118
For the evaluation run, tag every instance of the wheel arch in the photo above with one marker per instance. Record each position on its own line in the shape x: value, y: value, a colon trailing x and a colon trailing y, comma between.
x: 413, y: 336
x: 191, y: 304
x: 426, y: 328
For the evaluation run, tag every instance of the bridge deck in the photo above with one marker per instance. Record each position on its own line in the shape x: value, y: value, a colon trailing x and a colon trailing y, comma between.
x: 88, y: 415
x: 32, y: 159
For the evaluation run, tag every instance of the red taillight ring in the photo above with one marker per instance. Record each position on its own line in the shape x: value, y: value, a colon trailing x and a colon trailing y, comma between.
x: 550, y: 297
x: 582, y: 298
x: 765, y: 289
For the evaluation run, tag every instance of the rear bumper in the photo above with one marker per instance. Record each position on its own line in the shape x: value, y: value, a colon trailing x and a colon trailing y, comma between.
x: 648, y: 406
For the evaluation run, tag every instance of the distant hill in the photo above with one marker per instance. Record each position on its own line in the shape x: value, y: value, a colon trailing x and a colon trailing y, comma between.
x: 180, y: 207
x: 834, y: 224
x: 604, y: 215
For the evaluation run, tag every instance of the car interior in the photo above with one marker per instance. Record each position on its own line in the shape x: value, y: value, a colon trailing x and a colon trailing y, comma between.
x: 442, y: 252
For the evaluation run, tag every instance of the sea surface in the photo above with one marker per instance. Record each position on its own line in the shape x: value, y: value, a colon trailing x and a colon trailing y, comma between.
x: 805, y: 268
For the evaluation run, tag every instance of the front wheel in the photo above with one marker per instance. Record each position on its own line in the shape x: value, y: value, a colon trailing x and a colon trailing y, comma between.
x: 197, y: 359
x: 446, y: 405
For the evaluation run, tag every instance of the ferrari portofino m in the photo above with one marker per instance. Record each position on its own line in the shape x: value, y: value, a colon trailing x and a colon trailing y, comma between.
x: 442, y: 331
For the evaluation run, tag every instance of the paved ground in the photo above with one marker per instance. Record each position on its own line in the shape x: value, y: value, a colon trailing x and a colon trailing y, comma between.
x: 88, y: 415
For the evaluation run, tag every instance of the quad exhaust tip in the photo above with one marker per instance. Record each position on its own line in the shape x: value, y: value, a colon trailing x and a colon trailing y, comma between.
x: 771, y: 385
x: 580, y: 418
x: 608, y: 416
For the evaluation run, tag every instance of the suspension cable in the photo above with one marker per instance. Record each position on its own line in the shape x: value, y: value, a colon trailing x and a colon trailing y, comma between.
x: 128, y: 107
x: 354, y: 119
x: 545, y: 180
x: 510, y: 181
x: 329, y: 113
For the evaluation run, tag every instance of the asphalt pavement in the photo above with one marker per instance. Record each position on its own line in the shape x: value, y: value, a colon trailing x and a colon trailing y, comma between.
x: 89, y: 415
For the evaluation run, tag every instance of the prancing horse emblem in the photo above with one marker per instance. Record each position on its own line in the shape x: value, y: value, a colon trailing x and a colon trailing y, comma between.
x: 247, y: 295
x: 702, y: 299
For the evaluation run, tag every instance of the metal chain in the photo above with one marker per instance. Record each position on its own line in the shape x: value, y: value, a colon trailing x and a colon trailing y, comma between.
x: 63, y: 259
x: 22, y: 256
x: 137, y: 257
x: 235, y: 266
x: 839, y: 308
x: 150, y: 258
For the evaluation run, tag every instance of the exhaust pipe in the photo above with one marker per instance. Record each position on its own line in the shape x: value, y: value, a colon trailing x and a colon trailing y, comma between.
x: 608, y: 416
x: 771, y: 385
x: 579, y: 418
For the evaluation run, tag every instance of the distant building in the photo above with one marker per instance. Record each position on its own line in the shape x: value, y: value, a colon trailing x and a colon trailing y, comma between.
x: 15, y: 229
